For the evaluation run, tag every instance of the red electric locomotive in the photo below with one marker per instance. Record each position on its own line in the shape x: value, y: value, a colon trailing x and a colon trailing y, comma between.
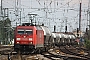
x: 31, y: 38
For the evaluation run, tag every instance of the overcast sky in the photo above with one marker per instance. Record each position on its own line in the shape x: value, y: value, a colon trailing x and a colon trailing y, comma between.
x: 50, y: 12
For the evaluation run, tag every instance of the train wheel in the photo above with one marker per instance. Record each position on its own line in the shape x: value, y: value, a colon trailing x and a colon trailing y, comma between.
x: 39, y: 50
x: 53, y: 45
x: 17, y: 50
x: 46, y: 49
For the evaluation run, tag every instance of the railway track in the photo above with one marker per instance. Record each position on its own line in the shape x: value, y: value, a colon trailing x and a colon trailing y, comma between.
x: 62, y: 53
x: 52, y: 56
x: 75, y: 52
x: 6, y: 49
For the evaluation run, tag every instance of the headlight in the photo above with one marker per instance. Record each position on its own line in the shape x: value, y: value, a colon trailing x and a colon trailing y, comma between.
x: 31, y: 42
x: 63, y: 41
x: 18, y: 38
x: 30, y: 39
x: 17, y: 42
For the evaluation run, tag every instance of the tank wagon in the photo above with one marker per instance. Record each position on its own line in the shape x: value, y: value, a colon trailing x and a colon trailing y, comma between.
x: 60, y: 39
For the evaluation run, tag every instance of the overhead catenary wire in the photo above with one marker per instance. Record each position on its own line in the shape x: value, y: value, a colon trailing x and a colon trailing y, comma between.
x: 61, y: 6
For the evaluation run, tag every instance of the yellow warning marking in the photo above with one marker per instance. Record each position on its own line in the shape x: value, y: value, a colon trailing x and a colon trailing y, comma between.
x: 57, y: 51
x: 82, y: 52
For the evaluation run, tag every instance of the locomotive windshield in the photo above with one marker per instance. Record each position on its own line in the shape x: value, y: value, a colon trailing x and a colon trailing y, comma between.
x: 28, y: 32
x: 20, y: 31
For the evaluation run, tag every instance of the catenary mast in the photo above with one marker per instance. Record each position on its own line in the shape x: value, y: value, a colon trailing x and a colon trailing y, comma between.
x: 89, y: 13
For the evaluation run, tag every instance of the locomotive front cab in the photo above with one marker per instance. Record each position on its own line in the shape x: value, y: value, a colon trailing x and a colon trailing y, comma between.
x: 24, y: 38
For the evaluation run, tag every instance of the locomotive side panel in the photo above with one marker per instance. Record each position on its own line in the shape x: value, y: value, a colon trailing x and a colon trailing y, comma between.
x: 40, y: 38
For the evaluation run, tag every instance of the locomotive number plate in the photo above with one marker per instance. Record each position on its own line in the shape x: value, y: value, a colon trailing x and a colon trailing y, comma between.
x: 24, y: 38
